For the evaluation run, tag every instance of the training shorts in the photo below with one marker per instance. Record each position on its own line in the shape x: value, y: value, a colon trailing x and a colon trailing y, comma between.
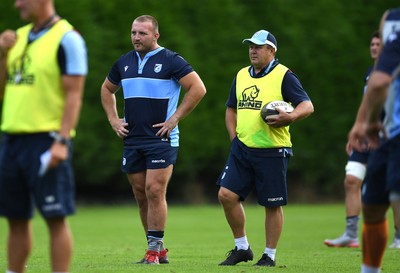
x: 23, y: 188
x: 383, y: 173
x: 158, y: 155
x: 361, y: 157
x: 262, y: 169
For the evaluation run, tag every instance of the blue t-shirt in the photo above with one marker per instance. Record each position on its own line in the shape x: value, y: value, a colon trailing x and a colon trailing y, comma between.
x: 389, y: 62
x: 151, y: 92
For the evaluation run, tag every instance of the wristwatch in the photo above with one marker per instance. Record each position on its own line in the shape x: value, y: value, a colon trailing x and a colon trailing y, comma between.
x: 59, y: 138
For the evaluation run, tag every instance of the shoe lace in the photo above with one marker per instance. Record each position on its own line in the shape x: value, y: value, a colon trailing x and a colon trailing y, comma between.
x: 230, y: 253
x: 151, y: 256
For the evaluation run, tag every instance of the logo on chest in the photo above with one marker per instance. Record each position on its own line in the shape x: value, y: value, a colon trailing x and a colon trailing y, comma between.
x: 249, y: 96
x: 157, y: 68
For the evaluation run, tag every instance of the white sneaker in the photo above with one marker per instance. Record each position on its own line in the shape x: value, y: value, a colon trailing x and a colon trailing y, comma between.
x: 395, y: 244
x: 342, y: 241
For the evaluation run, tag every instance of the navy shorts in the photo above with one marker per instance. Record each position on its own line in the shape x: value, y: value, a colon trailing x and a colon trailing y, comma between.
x: 262, y: 169
x: 383, y: 173
x: 361, y: 157
x: 140, y: 158
x: 23, y: 189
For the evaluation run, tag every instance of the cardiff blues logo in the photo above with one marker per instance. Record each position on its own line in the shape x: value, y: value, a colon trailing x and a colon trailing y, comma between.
x: 157, y: 68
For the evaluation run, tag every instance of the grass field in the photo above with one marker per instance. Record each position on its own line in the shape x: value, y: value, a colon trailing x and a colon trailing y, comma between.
x: 109, y: 239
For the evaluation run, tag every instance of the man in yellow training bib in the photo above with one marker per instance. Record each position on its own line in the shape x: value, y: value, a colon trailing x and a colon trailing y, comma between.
x: 260, y: 151
x: 43, y: 67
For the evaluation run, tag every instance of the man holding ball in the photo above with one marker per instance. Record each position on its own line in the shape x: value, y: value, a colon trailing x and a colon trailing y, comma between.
x: 260, y: 150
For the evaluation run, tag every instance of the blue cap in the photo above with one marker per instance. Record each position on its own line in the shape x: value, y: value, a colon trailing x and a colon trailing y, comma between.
x: 263, y: 37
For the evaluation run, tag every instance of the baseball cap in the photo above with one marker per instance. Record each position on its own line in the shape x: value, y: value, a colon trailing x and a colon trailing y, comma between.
x: 262, y: 37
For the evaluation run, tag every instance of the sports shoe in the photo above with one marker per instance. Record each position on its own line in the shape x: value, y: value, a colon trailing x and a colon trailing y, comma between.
x: 162, y: 258
x: 395, y: 244
x: 235, y: 256
x: 342, y: 241
x: 265, y: 261
x: 152, y: 257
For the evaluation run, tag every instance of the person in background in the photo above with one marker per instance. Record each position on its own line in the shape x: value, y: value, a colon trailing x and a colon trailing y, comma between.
x: 43, y: 66
x: 355, y: 172
x: 151, y: 77
x: 381, y: 187
x: 260, y: 149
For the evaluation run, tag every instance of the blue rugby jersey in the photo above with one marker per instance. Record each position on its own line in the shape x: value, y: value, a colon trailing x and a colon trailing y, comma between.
x: 151, y: 92
x: 389, y: 62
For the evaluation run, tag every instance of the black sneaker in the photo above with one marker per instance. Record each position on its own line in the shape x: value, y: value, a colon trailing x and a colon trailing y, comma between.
x: 265, y: 261
x: 236, y: 256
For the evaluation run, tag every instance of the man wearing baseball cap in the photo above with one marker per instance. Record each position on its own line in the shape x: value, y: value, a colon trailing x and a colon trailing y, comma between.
x: 263, y: 37
x: 260, y: 149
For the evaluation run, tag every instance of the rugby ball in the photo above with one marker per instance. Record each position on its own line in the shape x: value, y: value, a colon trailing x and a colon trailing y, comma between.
x: 269, y: 108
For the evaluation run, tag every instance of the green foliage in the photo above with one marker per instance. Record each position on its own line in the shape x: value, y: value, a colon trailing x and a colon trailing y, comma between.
x: 109, y: 239
x: 326, y: 43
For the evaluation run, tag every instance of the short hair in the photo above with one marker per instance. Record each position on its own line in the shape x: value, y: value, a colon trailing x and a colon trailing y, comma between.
x: 148, y: 18
x: 375, y: 34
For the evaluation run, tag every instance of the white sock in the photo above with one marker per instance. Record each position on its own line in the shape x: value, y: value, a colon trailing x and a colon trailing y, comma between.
x: 242, y: 243
x: 270, y: 252
x: 369, y: 269
x: 9, y: 271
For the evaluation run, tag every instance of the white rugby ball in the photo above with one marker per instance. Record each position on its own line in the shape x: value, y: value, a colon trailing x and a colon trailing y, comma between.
x: 270, y: 108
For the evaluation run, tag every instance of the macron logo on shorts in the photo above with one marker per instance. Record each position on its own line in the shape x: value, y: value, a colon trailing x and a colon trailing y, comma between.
x: 158, y: 161
x: 275, y: 199
x: 51, y: 206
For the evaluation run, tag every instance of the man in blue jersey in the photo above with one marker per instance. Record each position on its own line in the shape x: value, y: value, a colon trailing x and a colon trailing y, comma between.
x: 151, y: 77
x: 381, y: 186
x: 260, y: 150
x: 355, y: 172
x: 43, y: 67
x: 356, y: 168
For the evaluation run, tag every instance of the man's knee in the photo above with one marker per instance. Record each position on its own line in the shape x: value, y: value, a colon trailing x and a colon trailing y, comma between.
x: 155, y: 191
x: 227, y: 196
x: 356, y: 169
x: 373, y: 214
x: 352, y: 183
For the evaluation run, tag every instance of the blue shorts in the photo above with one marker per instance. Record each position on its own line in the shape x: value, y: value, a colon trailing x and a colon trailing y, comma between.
x: 383, y: 173
x: 23, y: 189
x: 361, y: 157
x: 157, y: 156
x: 262, y: 169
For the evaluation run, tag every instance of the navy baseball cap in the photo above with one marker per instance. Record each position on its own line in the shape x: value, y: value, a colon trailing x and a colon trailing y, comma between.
x: 262, y: 37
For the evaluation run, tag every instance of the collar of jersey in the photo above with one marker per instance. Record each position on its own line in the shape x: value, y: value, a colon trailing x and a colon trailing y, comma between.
x: 141, y: 63
x: 265, y: 70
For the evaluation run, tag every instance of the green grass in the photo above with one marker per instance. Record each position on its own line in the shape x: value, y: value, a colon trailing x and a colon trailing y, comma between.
x: 109, y: 238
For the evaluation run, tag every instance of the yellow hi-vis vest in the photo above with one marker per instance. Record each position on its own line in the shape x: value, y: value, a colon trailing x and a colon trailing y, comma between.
x: 34, y: 98
x: 252, y: 94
